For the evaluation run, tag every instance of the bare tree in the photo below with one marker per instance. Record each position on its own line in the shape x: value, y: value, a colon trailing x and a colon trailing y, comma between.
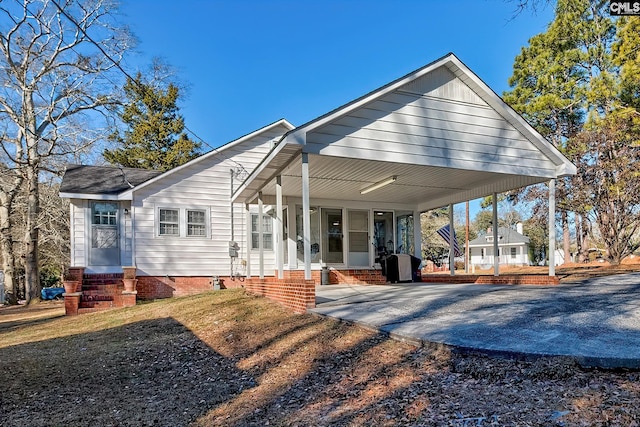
x: 58, y: 67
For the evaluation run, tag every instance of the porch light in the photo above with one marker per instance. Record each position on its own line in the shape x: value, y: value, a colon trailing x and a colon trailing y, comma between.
x: 379, y: 184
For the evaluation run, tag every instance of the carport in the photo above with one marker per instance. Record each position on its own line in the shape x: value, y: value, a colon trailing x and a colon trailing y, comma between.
x: 435, y: 137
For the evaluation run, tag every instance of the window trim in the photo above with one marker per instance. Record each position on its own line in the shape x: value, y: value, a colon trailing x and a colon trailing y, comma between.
x: 264, y: 215
x: 159, y: 222
x: 183, y: 224
x: 187, y: 223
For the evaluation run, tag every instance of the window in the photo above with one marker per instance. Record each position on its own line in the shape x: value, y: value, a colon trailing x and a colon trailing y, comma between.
x: 196, y: 223
x: 267, y: 232
x: 513, y: 253
x: 104, y: 213
x: 169, y: 222
x: 482, y: 253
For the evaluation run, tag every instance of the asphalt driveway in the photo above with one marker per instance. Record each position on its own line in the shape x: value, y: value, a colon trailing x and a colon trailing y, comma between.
x: 596, y: 321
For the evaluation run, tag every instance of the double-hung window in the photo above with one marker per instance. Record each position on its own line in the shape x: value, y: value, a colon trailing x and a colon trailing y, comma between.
x: 169, y: 222
x: 196, y: 223
x: 267, y: 232
x: 182, y: 222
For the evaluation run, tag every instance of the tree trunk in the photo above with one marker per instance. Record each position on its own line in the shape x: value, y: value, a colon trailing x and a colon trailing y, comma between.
x: 6, y: 249
x: 31, y: 270
x: 566, y: 236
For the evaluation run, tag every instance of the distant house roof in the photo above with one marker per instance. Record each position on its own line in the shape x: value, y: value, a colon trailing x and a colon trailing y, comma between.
x: 506, y: 236
x: 104, y: 180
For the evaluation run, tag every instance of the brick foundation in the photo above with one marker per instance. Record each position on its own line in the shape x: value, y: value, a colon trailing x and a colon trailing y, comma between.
x: 357, y: 277
x: 513, y: 279
x: 299, y: 275
x: 296, y: 295
x: 349, y: 277
x: 518, y: 280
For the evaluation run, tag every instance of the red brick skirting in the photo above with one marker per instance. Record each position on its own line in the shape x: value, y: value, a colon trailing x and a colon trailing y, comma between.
x: 531, y: 279
x: 357, y: 277
x: 518, y: 280
x: 297, y: 295
x: 447, y: 278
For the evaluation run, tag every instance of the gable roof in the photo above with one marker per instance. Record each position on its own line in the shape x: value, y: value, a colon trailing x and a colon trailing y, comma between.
x: 117, y: 183
x: 102, y: 180
x: 506, y: 236
x: 216, y: 151
x: 375, y: 163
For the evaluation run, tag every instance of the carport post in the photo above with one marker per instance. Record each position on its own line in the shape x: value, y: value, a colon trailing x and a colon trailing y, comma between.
x: 552, y: 227
x: 417, y: 235
x: 278, y: 231
x: 247, y: 215
x: 306, y: 216
x: 452, y: 252
x: 260, y: 236
x: 494, y: 229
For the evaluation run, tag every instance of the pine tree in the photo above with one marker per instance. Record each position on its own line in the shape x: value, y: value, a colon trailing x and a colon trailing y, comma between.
x: 578, y: 84
x: 155, y: 137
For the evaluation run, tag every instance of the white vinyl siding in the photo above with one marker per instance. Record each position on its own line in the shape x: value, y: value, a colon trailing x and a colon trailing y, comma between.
x: 447, y: 125
x: 205, y: 184
x: 77, y: 212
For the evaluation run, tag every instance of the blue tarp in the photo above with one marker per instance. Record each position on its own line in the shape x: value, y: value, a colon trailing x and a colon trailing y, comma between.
x: 51, y: 293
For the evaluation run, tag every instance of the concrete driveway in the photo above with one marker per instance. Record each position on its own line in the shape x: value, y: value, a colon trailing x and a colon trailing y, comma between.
x: 597, y: 321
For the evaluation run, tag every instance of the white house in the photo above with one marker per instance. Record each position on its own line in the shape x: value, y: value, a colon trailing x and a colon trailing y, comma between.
x: 513, y: 248
x: 285, y: 201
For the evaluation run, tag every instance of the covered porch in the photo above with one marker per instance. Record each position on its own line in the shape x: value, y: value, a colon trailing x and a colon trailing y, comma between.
x: 435, y: 137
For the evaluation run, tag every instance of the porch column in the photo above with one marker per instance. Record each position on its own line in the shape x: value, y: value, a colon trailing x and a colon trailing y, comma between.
x: 278, y: 231
x: 494, y: 229
x: 452, y: 252
x: 260, y: 236
x: 417, y: 235
x: 306, y: 216
x: 552, y: 227
x: 247, y: 216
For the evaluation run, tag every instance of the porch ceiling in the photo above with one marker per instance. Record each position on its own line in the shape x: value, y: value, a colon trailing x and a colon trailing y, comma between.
x: 423, y: 187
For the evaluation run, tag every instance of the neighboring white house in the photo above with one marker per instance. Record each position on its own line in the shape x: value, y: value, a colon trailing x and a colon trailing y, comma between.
x: 513, y: 248
x: 336, y: 191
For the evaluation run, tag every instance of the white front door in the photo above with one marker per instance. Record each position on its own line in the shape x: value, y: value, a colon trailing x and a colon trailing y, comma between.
x: 104, y: 248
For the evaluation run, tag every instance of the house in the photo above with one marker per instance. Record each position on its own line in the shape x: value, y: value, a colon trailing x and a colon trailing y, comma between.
x: 275, y: 206
x: 513, y: 248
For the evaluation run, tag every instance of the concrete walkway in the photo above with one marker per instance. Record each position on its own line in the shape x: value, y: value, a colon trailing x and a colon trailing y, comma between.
x: 597, y: 321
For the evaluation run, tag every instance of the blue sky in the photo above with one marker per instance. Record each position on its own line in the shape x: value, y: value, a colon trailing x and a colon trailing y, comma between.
x: 248, y: 63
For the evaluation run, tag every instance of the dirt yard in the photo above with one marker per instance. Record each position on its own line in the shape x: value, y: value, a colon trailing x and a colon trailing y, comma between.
x: 228, y: 359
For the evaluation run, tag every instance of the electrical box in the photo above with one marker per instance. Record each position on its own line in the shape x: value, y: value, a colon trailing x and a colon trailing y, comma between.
x: 233, y: 249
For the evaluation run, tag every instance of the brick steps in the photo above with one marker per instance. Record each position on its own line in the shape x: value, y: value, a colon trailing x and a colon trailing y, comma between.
x: 102, y: 293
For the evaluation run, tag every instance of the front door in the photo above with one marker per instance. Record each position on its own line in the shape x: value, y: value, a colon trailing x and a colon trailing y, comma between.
x: 383, y: 233
x: 105, y: 247
x: 332, y: 230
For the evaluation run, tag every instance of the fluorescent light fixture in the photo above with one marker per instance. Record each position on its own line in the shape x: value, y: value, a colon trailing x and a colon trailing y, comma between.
x: 379, y: 184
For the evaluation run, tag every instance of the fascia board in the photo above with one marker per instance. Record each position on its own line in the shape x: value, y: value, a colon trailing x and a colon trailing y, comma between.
x: 87, y: 196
